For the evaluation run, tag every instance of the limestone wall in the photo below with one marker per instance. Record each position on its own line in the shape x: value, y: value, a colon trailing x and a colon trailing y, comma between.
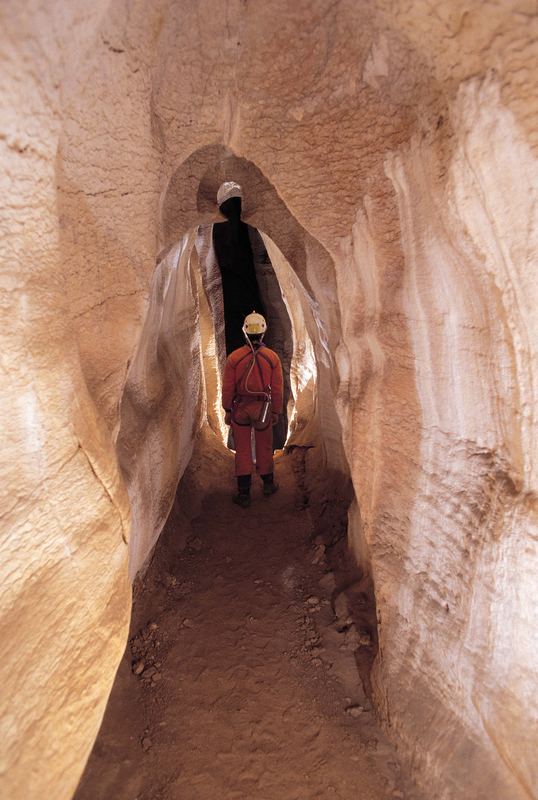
x: 388, y: 152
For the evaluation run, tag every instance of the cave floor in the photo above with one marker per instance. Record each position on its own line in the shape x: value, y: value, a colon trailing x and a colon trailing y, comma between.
x: 246, y: 688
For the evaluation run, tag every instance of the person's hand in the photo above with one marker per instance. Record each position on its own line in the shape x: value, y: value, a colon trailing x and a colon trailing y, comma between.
x: 228, y: 418
x: 274, y: 418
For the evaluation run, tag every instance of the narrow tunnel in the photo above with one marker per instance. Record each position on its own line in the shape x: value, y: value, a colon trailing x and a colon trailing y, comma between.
x: 205, y: 575
x: 173, y: 385
x: 369, y: 630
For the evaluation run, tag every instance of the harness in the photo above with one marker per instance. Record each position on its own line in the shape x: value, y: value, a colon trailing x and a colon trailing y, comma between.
x: 262, y: 420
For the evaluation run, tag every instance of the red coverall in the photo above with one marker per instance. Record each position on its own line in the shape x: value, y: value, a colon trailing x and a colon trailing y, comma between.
x: 247, y: 407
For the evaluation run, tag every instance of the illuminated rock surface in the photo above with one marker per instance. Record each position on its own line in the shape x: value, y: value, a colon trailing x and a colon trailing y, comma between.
x: 388, y: 152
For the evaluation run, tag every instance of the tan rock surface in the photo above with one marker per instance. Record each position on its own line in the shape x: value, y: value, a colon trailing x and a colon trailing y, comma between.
x: 236, y: 681
x: 387, y: 151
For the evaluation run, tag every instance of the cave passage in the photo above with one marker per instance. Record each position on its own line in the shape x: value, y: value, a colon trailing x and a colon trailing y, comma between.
x: 388, y: 156
x: 237, y: 681
x: 247, y: 668
x: 242, y: 675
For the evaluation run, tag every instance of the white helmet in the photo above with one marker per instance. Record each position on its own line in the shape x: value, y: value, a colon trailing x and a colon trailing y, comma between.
x: 227, y: 190
x: 254, y: 324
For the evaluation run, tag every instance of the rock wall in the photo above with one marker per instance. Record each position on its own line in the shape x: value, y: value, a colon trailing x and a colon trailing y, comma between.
x: 162, y: 400
x: 389, y: 153
x: 472, y: 295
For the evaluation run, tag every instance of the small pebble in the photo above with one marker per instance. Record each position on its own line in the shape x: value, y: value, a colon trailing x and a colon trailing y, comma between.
x: 138, y: 667
x: 354, y: 711
x: 149, y: 672
x: 153, y: 626
x: 146, y: 743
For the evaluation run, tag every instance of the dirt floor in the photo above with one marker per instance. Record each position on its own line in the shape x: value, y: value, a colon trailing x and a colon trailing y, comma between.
x: 239, y: 681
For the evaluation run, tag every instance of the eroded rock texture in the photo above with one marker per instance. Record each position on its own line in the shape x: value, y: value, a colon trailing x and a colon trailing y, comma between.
x: 388, y: 152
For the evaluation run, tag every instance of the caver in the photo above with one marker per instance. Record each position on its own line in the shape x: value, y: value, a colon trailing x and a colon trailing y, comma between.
x: 252, y: 399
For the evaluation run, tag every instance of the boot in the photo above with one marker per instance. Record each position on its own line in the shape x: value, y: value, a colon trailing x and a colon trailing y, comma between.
x: 242, y: 498
x: 269, y: 485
